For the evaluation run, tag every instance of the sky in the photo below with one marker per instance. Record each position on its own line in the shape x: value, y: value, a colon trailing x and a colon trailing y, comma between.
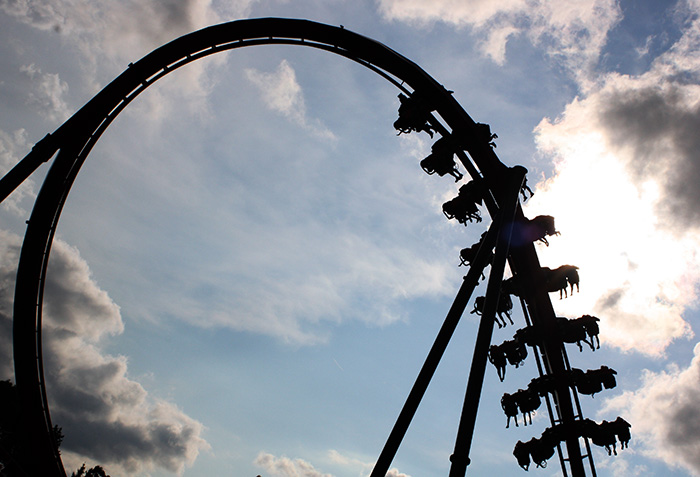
x: 252, y: 266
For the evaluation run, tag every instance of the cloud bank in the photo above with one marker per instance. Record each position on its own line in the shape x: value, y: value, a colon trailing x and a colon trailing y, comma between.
x: 318, y: 271
x: 624, y: 190
x: 110, y: 35
x: 118, y: 27
x: 666, y: 414
x: 287, y: 281
x: 625, y: 194
x: 106, y: 416
x: 49, y: 93
x: 573, y: 33
x: 286, y: 467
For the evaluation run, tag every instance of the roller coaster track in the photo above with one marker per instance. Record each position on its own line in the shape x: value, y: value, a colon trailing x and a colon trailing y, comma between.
x: 72, y: 142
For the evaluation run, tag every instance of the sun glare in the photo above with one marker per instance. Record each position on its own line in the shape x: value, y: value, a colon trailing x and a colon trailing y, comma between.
x: 609, y: 230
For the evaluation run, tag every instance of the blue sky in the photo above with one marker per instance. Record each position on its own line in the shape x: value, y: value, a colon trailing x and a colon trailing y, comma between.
x: 252, y: 264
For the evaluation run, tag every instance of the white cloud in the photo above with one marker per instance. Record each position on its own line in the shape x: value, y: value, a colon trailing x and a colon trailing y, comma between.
x: 48, y: 94
x: 623, y: 465
x: 395, y: 473
x: 106, y: 416
x: 665, y: 415
x: 625, y: 191
x: 294, y: 241
x: 110, y: 418
x: 630, y: 277
x: 310, y: 277
x: 282, y: 93
x: 571, y: 32
x: 75, y: 305
x: 286, y: 467
x: 350, y: 462
x: 476, y: 13
x: 110, y: 35
x: 119, y: 28
x: 625, y: 195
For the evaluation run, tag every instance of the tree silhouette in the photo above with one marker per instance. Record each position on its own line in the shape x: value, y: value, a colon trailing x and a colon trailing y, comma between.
x: 96, y: 471
x: 12, y: 455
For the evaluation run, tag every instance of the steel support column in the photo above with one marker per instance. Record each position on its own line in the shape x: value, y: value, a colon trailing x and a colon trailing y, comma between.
x: 460, y: 457
x: 471, y: 280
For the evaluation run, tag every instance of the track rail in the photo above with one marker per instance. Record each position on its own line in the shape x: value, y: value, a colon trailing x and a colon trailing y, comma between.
x: 76, y: 137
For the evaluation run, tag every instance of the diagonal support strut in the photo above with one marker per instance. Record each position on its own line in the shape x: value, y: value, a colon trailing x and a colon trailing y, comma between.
x: 471, y: 280
x: 460, y: 457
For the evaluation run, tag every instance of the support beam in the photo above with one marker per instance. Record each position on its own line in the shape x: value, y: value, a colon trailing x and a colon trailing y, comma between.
x: 460, y: 457
x: 40, y: 153
x: 471, y: 280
